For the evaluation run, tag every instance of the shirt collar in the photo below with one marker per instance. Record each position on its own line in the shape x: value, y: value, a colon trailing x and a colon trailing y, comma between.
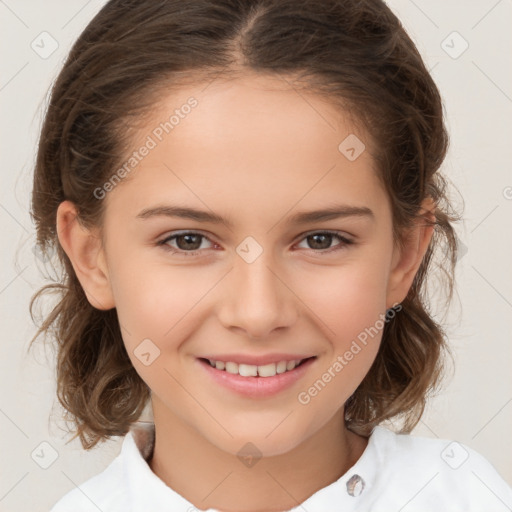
x: 147, y: 491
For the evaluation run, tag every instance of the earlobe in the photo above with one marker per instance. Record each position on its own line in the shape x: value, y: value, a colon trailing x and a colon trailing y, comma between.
x: 84, y: 249
x: 406, y: 261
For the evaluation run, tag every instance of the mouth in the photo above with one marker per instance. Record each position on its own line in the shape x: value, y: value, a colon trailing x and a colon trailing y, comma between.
x: 251, y: 370
x: 256, y: 381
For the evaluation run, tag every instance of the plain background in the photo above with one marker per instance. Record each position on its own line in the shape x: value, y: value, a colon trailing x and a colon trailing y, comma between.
x: 474, y: 407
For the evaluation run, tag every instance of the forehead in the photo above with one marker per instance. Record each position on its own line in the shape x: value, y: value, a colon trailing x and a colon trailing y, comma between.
x: 252, y: 142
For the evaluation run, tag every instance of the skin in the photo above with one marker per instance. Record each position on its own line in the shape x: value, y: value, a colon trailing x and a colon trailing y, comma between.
x: 253, y: 151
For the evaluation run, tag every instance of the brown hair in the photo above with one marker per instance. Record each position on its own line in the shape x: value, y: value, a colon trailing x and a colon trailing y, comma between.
x: 354, y: 52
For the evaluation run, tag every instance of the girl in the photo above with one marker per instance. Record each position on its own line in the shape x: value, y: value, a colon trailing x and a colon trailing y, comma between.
x: 246, y: 201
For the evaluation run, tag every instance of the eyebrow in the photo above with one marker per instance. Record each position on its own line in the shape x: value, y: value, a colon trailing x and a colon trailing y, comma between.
x: 334, y: 212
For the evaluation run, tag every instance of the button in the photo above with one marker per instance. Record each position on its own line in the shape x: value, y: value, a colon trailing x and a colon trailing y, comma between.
x: 355, y: 485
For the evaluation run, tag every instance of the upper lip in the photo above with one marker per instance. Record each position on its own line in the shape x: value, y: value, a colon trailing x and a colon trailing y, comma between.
x: 260, y: 360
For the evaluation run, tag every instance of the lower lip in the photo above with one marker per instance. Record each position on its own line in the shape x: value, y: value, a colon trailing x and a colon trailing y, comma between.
x: 257, y: 387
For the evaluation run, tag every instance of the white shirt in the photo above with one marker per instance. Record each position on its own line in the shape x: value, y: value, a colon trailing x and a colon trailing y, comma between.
x: 395, y: 473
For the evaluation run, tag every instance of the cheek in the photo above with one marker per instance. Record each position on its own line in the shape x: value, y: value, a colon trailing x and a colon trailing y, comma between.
x: 346, y: 299
x: 349, y: 305
x: 351, y: 314
x: 162, y: 304
x: 154, y: 307
x: 148, y: 303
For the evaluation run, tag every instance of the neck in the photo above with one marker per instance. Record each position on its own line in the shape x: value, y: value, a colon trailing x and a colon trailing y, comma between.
x: 209, y: 477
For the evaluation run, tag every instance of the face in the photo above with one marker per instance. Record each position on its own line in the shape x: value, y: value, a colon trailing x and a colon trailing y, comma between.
x: 261, y: 285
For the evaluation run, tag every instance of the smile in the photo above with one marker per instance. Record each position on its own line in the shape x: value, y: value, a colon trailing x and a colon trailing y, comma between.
x: 256, y: 381
x: 250, y: 370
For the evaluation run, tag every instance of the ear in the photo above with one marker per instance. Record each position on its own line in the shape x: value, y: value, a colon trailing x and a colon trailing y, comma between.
x: 406, y: 262
x: 84, y: 249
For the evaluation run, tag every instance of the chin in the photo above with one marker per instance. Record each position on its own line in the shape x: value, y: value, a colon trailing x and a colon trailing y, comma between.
x: 258, y: 444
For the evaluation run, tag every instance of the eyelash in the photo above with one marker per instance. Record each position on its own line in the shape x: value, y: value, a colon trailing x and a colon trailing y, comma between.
x: 345, y: 242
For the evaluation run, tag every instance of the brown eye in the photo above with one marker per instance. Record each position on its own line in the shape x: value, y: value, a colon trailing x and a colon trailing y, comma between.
x: 187, y: 243
x: 321, y: 241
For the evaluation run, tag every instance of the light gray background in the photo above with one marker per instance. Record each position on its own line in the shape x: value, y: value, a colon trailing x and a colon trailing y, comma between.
x: 475, y: 406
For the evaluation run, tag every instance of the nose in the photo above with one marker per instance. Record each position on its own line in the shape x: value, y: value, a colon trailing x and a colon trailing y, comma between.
x: 256, y: 299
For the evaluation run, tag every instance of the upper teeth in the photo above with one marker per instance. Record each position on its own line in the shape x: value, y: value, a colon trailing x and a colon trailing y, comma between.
x: 250, y: 370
